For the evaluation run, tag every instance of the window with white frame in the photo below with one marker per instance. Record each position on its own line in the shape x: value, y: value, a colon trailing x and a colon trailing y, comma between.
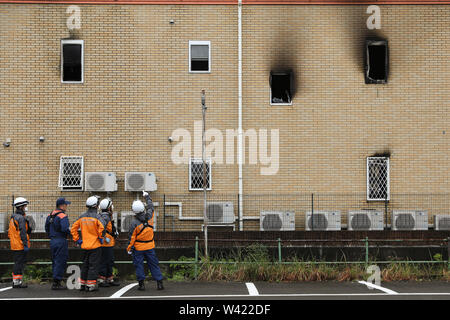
x: 196, y: 174
x: 200, y: 56
x: 71, y: 173
x: 72, y: 61
x: 378, y: 178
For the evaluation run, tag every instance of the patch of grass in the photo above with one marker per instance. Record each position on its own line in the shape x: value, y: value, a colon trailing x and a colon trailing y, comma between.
x: 37, y: 273
x: 181, y: 271
x: 253, y: 263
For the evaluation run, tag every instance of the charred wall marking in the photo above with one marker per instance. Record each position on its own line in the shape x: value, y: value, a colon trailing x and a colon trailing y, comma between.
x: 283, y: 72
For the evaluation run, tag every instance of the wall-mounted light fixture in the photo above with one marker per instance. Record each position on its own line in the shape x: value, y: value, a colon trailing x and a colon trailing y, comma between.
x: 7, y: 143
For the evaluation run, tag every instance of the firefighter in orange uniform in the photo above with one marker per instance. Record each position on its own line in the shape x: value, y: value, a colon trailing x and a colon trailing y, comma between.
x: 92, y: 235
x: 141, y: 244
x: 18, y: 233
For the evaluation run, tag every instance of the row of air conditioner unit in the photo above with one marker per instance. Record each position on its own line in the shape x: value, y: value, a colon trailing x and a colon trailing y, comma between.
x: 357, y: 220
x: 107, y: 182
x: 223, y: 213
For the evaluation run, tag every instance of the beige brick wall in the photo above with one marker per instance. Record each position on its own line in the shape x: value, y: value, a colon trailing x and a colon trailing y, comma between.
x: 336, y: 120
x: 137, y: 90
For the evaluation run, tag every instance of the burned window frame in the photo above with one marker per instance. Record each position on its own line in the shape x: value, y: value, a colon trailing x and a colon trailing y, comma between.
x: 209, y: 173
x: 71, y: 41
x: 373, y: 183
x: 374, y: 41
x: 200, y: 43
x: 289, y: 73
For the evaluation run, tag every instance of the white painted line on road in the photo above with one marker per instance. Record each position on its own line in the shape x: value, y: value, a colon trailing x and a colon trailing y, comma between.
x: 4, y: 289
x: 371, y: 285
x: 119, y: 293
x: 252, y: 289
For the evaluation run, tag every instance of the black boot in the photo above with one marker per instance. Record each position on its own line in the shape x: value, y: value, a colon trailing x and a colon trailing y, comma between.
x: 19, y: 285
x: 57, y: 285
x: 92, y: 288
x: 141, y: 285
x: 82, y: 287
x: 103, y: 284
x: 159, y: 285
x: 114, y: 283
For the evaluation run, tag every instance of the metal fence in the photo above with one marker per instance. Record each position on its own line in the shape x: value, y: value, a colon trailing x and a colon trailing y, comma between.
x: 261, y: 212
x: 199, y: 260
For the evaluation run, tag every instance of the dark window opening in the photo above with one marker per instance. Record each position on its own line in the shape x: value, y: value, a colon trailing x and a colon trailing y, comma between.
x: 199, y: 58
x: 281, y: 86
x: 72, y: 62
x: 377, y: 61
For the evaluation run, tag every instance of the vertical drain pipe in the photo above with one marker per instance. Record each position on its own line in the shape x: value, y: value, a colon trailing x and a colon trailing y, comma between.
x: 240, y: 151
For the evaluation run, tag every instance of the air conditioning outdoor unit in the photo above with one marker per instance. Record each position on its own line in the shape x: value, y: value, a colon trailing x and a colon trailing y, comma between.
x: 140, y: 181
x: 125, y: 220
x: 277, y: 221
x: 220, y: 212
x: 2, y: 222
x: 365, y: 220
x: 323, y: 220
x: 100, y: 181
x: 409, y: 220
x: 441, y: 222
x: 37, y: 220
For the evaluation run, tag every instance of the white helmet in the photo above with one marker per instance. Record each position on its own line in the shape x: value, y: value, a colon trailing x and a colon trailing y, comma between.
x: 138, y: 206
x: 20, y: 201
x: 105, y: 204
x: 92, y: 201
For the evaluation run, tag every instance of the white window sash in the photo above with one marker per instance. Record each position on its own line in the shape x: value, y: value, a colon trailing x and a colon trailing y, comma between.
x: 196, y: 42
x: 200, y: 161
x: 82, y: 59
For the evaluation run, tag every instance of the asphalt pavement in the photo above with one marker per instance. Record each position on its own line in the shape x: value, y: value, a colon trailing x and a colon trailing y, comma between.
x: 198, y: 290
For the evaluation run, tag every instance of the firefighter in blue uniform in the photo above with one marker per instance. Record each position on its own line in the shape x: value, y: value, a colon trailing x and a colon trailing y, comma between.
x: 57, y: 228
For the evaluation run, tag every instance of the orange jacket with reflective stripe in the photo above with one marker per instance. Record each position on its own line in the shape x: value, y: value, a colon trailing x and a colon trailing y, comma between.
x: 142, y: 237
x: 92, y: 228
x: 17, y: 232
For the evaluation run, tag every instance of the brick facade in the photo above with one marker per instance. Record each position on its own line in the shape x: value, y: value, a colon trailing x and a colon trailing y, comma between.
x: 137, y: 90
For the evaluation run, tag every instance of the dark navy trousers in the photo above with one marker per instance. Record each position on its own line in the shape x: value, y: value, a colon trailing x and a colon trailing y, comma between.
x: 106, y: 266
x: 152, y: 262
x: 60, y: 254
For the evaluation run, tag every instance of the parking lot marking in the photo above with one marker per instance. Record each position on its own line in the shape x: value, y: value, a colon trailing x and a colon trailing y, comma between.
x: 388, y: 291
x: 119, y: 293
x: 4, y: 289
x: 252, y: 289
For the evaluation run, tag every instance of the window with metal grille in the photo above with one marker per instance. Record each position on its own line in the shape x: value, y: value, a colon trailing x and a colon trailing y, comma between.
x: 72, y: 61
x: 71, y: 173
x: 196, y: 174
x: 377, y: 178
x: 199, y: 56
